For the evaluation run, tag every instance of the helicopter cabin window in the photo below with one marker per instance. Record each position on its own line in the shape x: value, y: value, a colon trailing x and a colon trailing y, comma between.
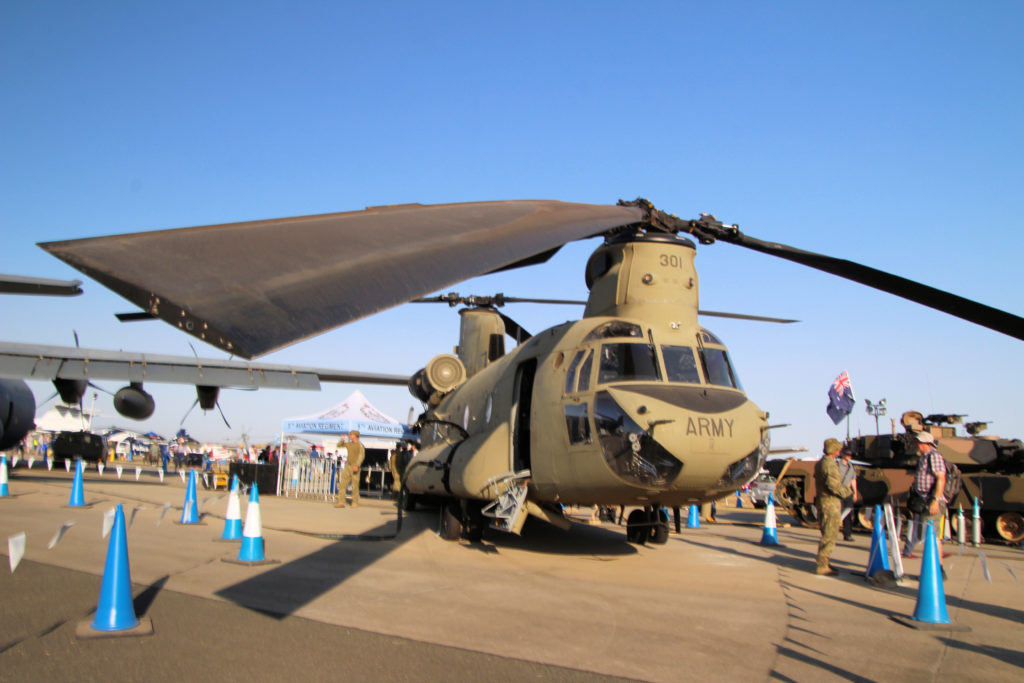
x: 623, y: 361
x: 719, y: 369
x: 680, y: 364
x: 577, y: 424
x: 615, y: 328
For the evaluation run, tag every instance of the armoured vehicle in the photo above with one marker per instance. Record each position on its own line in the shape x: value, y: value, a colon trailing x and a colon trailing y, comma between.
x: 85, y: 445
x: 992, y: 469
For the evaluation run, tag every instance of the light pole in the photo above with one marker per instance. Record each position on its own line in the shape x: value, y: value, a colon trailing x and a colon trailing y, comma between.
x: 876, y: 409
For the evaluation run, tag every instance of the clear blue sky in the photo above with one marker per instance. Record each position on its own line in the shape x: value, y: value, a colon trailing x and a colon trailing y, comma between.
x: 889, y: 133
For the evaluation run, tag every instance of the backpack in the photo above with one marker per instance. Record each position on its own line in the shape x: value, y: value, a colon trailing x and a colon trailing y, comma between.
x: 954, y: 481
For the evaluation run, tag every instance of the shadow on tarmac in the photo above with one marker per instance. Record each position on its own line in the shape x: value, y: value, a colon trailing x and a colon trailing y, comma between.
x: 286, y: 588
x: 1014, y: 657
x: 824, y: 666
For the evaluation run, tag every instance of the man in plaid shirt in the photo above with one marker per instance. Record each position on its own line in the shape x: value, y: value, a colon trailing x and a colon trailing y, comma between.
x: 930, y: 483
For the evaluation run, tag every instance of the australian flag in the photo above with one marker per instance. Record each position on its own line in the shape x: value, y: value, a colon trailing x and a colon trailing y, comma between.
x: 840, y: 398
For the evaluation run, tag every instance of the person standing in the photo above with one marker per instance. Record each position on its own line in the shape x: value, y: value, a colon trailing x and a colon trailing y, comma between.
x: 930, y: 484
x: 831, y: 493
x: 350, y: 473
x: 849, y: 480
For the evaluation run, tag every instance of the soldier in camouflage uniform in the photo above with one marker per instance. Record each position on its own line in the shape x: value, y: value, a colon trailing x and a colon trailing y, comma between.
x: 830, y: 504
x: 351, y: 472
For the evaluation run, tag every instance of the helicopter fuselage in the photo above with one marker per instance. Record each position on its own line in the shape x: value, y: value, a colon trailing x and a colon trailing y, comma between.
x: 635, y: 404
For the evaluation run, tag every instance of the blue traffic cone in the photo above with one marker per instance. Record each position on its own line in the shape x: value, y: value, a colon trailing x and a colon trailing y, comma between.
x: 930, y: 611
x: 4, y: 492
x: 190, y: 512
x: 252, y: 536
x: 878, y: 555
x: 233, y: 519
x: 739, y: 501
x: 115, y: 610
x: 77, y: 499
x: 931, y: 598
x: 770, y: 536
x: 693, y: 518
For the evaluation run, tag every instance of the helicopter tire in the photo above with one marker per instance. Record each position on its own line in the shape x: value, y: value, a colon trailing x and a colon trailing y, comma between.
x: 450, y: 527
x: 637, y: 527
x: 1010, y: 527
x: 659, y: 529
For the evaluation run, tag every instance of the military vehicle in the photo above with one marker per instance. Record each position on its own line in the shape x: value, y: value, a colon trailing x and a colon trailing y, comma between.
x: 992, y: 469
x: 85, y: 445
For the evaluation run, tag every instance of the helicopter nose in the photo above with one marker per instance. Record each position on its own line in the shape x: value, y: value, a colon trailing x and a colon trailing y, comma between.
x: 650, y: 433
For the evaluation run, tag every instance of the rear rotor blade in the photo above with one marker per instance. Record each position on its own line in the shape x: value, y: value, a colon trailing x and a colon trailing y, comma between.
x: 253, y: 287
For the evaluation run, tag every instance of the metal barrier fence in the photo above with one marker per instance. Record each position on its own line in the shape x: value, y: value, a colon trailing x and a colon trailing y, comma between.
x: 308, y: 478
x: 303, y: 477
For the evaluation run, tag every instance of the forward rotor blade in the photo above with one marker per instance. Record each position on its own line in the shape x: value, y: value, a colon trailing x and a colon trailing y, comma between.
x: 954, y: 305
x: 326, y: 270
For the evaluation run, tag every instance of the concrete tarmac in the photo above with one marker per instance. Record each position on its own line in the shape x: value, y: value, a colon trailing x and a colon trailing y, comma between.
x: 351, y: 599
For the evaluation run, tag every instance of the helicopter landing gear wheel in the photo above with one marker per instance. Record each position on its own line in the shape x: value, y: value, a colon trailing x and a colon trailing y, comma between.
x: 1010, y: 527
x: 659, y: 530
x: 637, y: 527
x: 475, y: 522
x: 450, y: 527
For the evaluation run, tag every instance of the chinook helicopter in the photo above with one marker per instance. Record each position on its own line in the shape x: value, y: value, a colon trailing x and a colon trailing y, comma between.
x: 635, y: 404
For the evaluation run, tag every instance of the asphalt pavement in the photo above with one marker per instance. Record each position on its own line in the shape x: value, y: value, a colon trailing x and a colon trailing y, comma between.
x: 353, y: 597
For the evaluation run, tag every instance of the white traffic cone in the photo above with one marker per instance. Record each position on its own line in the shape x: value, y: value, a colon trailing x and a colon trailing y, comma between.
x: 233, y: 519
x: 770, y: 536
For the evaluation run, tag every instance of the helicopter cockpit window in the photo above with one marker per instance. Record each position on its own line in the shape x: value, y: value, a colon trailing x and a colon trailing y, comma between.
x: 585, y: 372
x: 719, y: 369
x: 680, y: 364
x: 570, y: 373
x: 620, y: 362
x: 577, y: 424
x: 615, y: 328
x: 708, y: 337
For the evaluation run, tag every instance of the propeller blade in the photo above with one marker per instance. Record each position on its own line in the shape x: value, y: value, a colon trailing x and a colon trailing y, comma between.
x: 221, y: 411
x: 351, y: 265
x: 194, y: 404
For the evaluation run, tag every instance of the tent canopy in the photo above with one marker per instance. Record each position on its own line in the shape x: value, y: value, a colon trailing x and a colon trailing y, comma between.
x: 355, y: 412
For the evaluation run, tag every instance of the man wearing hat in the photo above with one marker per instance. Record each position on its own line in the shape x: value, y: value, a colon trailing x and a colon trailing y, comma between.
x: 350, y: 471
x: 930, y: 484
x: 829, y: 484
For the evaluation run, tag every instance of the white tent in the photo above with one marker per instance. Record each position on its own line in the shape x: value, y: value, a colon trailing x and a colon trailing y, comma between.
x: 64, y: 418
x: 376, y: 430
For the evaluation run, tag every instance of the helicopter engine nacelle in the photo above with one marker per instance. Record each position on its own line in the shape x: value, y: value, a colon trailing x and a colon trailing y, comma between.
x: 17, y: 412
x: 134, y: 402
x: 442, y: 374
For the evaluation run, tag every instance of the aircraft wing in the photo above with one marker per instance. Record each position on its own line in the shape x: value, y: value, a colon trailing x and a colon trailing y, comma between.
x: 31, y: 361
